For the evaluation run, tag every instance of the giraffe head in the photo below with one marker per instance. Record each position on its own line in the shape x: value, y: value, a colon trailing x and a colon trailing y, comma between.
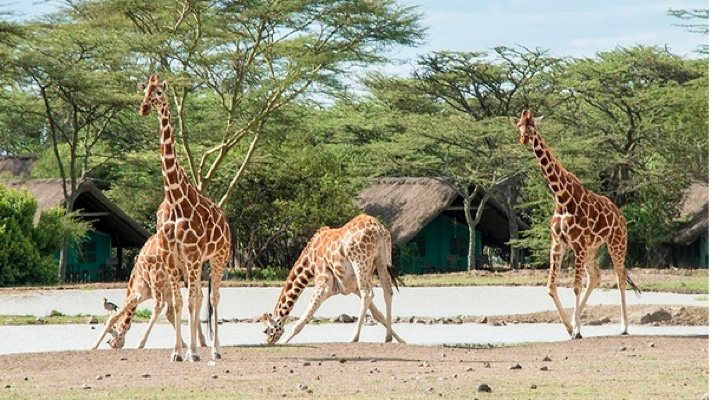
x: 527, y: 125
x: 154, y: 94
x: 274, y: 329
x: 118, y: 333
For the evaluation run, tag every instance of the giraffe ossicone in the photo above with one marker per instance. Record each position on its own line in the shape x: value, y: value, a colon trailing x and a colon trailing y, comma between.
x: 189, y: 225
x: 339, y: 261
x: 582, y: 221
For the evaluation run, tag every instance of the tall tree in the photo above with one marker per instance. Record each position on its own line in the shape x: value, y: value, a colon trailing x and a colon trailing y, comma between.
x: 251, y: 58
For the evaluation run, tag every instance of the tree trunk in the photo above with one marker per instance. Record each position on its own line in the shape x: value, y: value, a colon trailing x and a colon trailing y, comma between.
x: 62, y: 276
x: 471, y: 257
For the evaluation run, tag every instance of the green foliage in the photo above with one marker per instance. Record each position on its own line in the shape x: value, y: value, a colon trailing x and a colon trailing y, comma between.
x: 25, y: 250
x: 143, y: 313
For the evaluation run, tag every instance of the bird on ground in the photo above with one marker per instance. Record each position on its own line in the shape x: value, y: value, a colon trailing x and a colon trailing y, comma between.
x: 109, y: 306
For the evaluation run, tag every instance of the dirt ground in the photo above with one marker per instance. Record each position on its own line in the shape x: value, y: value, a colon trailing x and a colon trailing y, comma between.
x: 616, y: 367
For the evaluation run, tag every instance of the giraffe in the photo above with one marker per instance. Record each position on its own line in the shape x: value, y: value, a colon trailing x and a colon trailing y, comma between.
x: 190, y: 226
x: 582, y: 221
x: 154, y: 275
x: 340, y: 261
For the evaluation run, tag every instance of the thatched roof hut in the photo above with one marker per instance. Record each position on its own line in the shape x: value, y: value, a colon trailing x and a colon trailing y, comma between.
x: 17, y: 166
x: 91, y: 204
x: 694, y: 209
x: 406, y: 205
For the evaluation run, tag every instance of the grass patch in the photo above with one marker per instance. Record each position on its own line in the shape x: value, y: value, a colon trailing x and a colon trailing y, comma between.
x: 466, y: 279
x: 691, y: 284
x: 57, y: 318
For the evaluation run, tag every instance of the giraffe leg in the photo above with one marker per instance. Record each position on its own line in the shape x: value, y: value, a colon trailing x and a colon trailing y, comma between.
x: 157, y: 310
x: 170, y: 316
x: 593, y: 273
x: 618, y: 263
x: 322, y: 291
x: 387, y: 287
x: 194, y: 301
x: 581, y: 258
x: 379, y: 317
x: 217, y: 265
x: 177, y: 309
x: 201, y: 337
x: 366, y: 297
x: 557, y: 251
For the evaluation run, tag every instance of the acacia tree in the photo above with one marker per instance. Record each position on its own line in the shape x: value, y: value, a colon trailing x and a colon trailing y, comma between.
x: 251, y: 59
x: 483, y: 86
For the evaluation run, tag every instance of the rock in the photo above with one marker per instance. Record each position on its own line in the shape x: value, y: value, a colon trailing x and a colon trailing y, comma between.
x: 107, y: 376
x: 605, y: 320
x: 40, y: 321
x: 534, y: 386
x: 99, y: 377
x: 425, y: 364
x: 27, y: 379
x: 8, y: 386
x: 622, y: 348
x: 306, y: 364
x: 470, y: 369
x: 483, y: 388
x: 544, y: 368
x: 487, y: 365
x: 516, y: 366
x: 484, y: 320
x: 342, y: 361
x: 92, y: 320
x: 211, y: 363
x: 227, y: 371
x: 85, y: 386
x: 344, y: 318
x: 214, y: 376
x: 146, y: 375
x: 652, y: 344
x: 547, y: 359
x: 649, y: 316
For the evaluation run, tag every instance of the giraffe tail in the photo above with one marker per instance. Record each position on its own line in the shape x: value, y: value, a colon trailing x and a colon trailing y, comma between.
x: 210, y: 313
x: 392, y: 271
x: 634, y: 287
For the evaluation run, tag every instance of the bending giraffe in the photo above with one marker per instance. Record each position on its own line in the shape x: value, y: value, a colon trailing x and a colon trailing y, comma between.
x: 190, y: 226
x: 340, y: 261
x: 156, y: 276
x: 582, y: 221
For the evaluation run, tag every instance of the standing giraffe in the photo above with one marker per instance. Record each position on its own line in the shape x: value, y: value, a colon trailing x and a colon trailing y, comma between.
x: 582, y: 221
x: 343, y: 261
x: 154, y: 275
x: 189, y: 225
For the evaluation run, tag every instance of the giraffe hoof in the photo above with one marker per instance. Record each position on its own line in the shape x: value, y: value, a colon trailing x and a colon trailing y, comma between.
x: 624, y: 333
x: 577, y: 336
x: 388, y: 338
x: 192, y: 357
x: 216, y: 356
x: 176, y: 358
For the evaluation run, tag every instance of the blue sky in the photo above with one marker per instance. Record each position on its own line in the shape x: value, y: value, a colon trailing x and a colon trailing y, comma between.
x: 577, y: 28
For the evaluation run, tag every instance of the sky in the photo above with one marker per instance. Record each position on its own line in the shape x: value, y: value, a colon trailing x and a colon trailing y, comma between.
x: 579, y: 28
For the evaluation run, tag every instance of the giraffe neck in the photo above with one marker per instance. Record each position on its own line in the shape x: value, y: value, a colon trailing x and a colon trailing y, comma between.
x: 299, y: 277
x: 173, y: 174
x: 560, y: 181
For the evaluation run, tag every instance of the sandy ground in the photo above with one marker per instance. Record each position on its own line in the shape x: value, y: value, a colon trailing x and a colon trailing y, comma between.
x: 616, y: 367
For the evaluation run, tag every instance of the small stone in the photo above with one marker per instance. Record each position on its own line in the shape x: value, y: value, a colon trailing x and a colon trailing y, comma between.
x: 27, y: 379
x: 99, y: 377
x: 483, y: 388
x: 306, y: 364
x: 515, y: 366
x: 318, y: 377
x: 547, y: 359
x: 146, y: 375
x: 373, y: 360
x: 211, y: 363
x: 470, y: 369
x: 487, y: 365
x: 651, y: 344
x: 332, y: 354
x: 85, y: 386
x: 534, y: 386
x: 7, y: 386
x: 291, y: 371
x: 484, y: 320
x: 227, y: 371
x: 622, y: 348
x: 214, y: 376
x: 425, y: 364
x: 454, y: 376
x: 544, y: 368
x: 302, y: 386
x: 342, y: 361
x: 107, y: 376
x: 92, y: 320
x: 309, y: 391
x: 124, y: 358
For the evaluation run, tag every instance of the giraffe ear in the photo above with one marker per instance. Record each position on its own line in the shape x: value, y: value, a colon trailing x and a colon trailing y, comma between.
x: 514, y: 121
x: 265, y: 317
x: 164, y: 85
x: 141, y: 86
x: 537, y: 121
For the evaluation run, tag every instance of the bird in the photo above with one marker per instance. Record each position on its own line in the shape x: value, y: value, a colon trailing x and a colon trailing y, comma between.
x: 109, y: 306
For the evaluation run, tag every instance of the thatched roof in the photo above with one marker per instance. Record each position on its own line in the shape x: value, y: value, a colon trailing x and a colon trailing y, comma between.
x: 406, y: 205
x: 91, y: 203
x: 695, y: 210
x: 17, y: 166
